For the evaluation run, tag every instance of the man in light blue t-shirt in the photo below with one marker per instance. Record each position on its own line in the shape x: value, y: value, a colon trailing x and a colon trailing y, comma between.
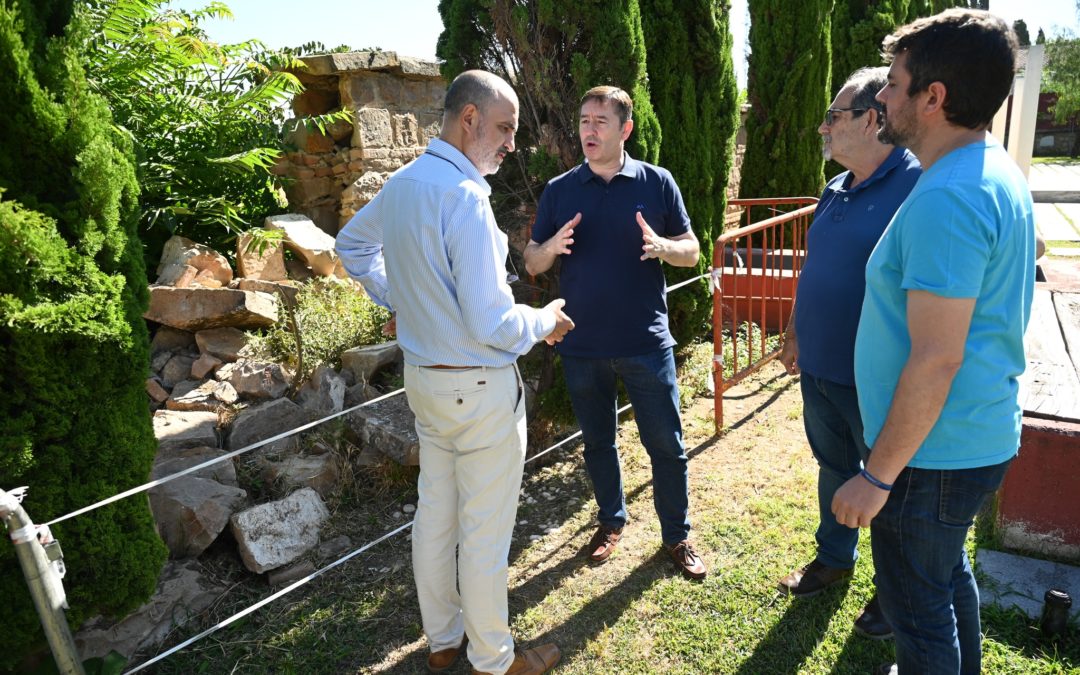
x: 940, y: 340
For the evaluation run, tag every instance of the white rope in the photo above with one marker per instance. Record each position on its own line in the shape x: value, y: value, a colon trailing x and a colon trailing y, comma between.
x: 296, y: 584
x: 211, y: 462
x: 301, y: 582
x: 685, y: 282
x: 285, y: 434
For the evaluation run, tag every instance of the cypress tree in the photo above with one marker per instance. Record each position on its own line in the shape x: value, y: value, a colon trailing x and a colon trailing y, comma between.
x: 1022, y: 35
x: 693, y: 87
x: 74, y: 350
x: 857, y: 31
x: 556, y: 51
x: 788, y: 91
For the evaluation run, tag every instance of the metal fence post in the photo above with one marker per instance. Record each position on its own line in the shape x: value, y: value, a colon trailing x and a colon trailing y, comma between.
x: 42, y: 572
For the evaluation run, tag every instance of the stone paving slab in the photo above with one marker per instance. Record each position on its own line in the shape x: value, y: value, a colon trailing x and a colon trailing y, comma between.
x: 1009, y: 580
x: 1054, y: 177
x: 1052, y: 225
x: 1070, y: 212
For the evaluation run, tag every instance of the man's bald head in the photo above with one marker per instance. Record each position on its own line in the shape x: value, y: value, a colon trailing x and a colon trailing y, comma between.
x: 477, y: 87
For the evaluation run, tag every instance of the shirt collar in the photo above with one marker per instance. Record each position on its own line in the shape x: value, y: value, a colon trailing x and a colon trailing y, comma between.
x: 629, y: 169
x: 891, y: 162
x: 443, y: 150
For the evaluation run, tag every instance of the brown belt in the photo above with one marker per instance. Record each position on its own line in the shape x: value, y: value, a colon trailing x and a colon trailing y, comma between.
x: 444, y: 367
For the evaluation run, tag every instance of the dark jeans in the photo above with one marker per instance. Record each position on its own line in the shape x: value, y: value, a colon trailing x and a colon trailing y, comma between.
x: 835, y: 433
x: 649, y: 380
x: 924, y: 578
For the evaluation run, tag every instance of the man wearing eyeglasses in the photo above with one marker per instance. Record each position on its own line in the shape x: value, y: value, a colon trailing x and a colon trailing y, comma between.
x: 940, y: 345
x: 820, y: 340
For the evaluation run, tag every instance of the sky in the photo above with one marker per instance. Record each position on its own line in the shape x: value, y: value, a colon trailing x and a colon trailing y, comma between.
x: 411, y: 27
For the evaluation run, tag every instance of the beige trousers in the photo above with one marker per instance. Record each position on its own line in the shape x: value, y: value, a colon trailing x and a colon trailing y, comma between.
x: 471, y: 425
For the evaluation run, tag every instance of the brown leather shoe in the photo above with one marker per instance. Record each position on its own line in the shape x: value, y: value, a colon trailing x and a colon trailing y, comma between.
x: 444, y: 658
x: 532, y: 661
x: 812, y: 579
x: 687, y: 560
x: 603, y: 543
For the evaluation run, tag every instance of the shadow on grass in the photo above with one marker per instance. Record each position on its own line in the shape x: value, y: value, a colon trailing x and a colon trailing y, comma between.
x: 794, y: 636
x: 597, y: 615
x: 861, y: 655
x: 779, y: 391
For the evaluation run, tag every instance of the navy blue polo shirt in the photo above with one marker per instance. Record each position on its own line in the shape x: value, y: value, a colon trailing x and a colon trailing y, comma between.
x: 847, y: 225
x: 617, y: 300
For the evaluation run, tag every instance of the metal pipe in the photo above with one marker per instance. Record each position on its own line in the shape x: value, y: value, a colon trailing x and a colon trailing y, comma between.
x: 44, y: 583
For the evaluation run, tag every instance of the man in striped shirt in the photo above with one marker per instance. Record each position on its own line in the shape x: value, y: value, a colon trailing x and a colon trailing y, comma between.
x: 427, y: 247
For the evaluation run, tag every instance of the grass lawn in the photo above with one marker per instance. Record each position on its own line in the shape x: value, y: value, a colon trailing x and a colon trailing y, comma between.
x: 753, y: 507
x: 1055, y: 160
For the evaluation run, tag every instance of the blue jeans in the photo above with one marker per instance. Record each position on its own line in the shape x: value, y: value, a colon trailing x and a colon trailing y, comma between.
x: 650, y: 383
x: 835, y: 433
x: 924, y: 579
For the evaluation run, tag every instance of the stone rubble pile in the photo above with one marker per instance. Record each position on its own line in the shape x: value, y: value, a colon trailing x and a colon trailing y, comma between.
x: 208, y: 396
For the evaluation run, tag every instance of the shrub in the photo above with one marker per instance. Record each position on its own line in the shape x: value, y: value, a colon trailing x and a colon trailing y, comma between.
x: 74, y: 350
x: 696, y: 103
x: 331, y: 317
x: 788, y: 88
x: 206, y: 118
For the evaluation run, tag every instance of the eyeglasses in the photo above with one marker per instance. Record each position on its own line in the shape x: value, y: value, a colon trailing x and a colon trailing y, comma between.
x: 830, y: 114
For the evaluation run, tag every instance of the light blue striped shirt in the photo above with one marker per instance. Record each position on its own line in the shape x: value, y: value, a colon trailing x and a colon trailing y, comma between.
x: 427, y: 247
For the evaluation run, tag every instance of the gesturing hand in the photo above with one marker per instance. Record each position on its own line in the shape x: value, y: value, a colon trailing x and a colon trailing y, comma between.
x: 563, y: 323
x: 559, y: 244
x: 654, y: 245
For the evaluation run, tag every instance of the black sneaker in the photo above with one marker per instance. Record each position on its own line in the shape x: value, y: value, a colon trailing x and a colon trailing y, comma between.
x: 872, y: 622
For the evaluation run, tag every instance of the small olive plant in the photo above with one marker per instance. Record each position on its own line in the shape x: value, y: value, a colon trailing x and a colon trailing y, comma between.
x: 330, y: 317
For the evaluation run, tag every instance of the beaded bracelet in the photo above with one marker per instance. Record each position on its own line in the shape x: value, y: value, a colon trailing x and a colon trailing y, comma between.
x: 874, y: 481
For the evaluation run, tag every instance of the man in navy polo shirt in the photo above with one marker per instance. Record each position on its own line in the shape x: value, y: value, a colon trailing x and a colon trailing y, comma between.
x: 820, y: 342
x: 613, y: 220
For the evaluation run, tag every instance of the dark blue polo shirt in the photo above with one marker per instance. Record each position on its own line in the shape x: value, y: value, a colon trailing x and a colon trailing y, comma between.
x: 617, y: 300
x: 847, y: 225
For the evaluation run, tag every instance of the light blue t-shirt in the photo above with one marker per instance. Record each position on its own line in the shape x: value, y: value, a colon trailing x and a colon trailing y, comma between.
x: 966, y: 231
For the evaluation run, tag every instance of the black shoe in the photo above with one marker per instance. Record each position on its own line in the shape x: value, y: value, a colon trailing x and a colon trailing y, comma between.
x: 872, y: 623
x: 813, y: 579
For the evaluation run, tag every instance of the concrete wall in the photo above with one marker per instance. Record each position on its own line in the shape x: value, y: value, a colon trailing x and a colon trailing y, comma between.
x: 1039, y: 502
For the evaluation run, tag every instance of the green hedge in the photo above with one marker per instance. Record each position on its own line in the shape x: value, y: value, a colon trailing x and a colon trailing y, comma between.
x: 74, y: 424
x: 788, y: 91
x: 692, y: 81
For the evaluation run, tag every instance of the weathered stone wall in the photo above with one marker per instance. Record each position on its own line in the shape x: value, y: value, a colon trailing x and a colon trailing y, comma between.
x: 397, y: 108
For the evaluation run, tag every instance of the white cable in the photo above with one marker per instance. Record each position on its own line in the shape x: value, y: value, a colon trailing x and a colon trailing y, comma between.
x: 297, y: 584
x: 285, y: 434
x: 685, y: 282
x: 211, y: 462
x: 241, y: 614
